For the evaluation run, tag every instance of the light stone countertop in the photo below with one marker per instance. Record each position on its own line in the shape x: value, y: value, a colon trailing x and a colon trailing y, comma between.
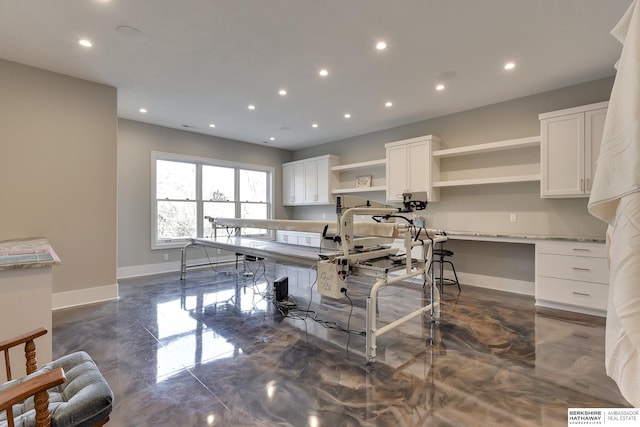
x: 27, y: 253
x: 517, y: 238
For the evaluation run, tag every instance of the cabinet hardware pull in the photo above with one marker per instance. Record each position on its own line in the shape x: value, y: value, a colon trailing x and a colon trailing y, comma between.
x: 582, y: 249
x: 581, y: 184
x: 588, y: 184
x: 581, y: 293
x: 579, y: 335
x: 581, y: 268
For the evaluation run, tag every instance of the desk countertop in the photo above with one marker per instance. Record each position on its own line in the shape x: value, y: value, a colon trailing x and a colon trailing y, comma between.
x: 27, y: 253
x: 515, y: 238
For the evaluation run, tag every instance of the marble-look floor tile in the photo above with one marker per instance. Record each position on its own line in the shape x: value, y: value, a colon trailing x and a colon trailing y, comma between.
x: 214, y: 350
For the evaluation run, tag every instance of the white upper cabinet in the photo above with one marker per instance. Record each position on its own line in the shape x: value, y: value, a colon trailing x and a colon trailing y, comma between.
x: 569, y: 149
x: 309, y: 181
x: 288, y: 183
x: 409, y: 167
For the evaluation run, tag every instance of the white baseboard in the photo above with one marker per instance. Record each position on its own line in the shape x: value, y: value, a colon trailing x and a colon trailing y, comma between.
x: 573, y: 308
x: 165, y: 267
x: 498, y: 283
x: 69, y: 299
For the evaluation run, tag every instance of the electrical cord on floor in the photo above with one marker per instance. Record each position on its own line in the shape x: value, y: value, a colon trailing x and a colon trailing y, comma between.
x: 348, y: 321
x: 254, y: 273
x: 311, y: 288
x: 212, y: 264
x: 290, y: 309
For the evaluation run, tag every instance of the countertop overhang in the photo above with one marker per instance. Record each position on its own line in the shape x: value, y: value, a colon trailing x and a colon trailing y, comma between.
x: 27, y: 253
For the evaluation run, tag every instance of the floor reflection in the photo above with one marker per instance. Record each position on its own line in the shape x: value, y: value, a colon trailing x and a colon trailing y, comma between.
x: 215, y: 350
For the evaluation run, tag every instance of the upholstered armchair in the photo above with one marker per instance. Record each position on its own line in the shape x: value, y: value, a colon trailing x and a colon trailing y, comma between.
x: 69, y: 391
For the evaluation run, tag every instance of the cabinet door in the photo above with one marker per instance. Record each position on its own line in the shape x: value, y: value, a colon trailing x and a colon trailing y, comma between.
x: 288, y: 196
x: 322, y: 181
x: 417, y: 163
x: 310, y: 182
x: 562, y: 156
x: 396, y: 173
x: 298, y: 183
x: 594, y: 126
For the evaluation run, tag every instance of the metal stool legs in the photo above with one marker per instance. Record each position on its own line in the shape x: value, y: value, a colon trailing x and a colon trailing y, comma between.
x: 441, y: 254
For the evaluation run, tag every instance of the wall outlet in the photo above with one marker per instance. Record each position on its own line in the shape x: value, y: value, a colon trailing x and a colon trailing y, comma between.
x: 513, y: 217
x: 166, y: 257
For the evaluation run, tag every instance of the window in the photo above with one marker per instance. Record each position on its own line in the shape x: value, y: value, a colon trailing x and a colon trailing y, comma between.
x: 186, y: 189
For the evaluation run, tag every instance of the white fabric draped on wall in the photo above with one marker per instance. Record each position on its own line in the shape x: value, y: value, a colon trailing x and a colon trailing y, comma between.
x: 615, y: 199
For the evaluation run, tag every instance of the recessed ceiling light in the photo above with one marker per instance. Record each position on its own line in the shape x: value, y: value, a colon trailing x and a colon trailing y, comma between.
x: 143, y: 110
x: 440, y: 87
x: 388, y: 104
x: 315, y: 125
x: 211, y: 125
x: 324, y: 72
x: 282, y: 92
x: 84, y: 42
x: 272, y: 139
x: 347, y: 116
x: 509, y: 66
x: 251, y: 107
x: 381, y: 45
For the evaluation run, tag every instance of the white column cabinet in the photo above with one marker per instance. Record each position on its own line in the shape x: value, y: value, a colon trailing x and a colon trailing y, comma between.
x: 409, y: 167
x: 309, y: 181
x: 298, y: 183
x: 570, y: 145
x: 288, y: 195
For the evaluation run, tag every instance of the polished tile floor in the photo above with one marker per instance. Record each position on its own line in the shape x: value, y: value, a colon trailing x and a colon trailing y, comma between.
x: 214, y: 350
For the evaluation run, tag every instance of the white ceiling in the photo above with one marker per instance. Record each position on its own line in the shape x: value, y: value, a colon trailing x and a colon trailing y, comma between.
x: 205, y: 61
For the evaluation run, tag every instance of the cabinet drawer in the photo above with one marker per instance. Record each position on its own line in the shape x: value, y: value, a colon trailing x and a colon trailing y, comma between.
x: 283, y: 237
x: 573, y: 268
x: 582, y: 294
x: 312, y: 241
x: 596, y: 250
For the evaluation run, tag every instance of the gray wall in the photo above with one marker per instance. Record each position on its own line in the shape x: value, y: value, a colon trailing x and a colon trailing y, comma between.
x: 485, y: 208
x: 58, y: 170
x: 136, y: 141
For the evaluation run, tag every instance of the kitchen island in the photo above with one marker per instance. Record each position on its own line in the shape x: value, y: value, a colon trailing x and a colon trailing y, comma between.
x: 25, y: 296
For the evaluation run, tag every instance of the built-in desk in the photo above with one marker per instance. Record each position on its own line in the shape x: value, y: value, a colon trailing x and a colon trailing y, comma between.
x: 25, y: 296
x: 567, y: 273
x: 516, y: 238
x: 551, y: 268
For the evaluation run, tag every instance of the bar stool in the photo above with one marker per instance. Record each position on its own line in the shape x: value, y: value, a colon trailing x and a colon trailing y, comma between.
x: 439, y: 257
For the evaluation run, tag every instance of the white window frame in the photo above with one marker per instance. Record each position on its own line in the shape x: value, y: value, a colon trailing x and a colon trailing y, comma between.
x: 200, y: 222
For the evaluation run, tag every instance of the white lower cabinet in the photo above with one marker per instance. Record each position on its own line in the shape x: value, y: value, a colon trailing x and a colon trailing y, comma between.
x: 572, y: 276
x: 299, y: 238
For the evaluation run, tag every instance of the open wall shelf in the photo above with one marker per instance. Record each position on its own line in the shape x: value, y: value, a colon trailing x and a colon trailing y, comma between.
x: 523, y: 159
x: 348, y: 172
x: 530, y: 141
